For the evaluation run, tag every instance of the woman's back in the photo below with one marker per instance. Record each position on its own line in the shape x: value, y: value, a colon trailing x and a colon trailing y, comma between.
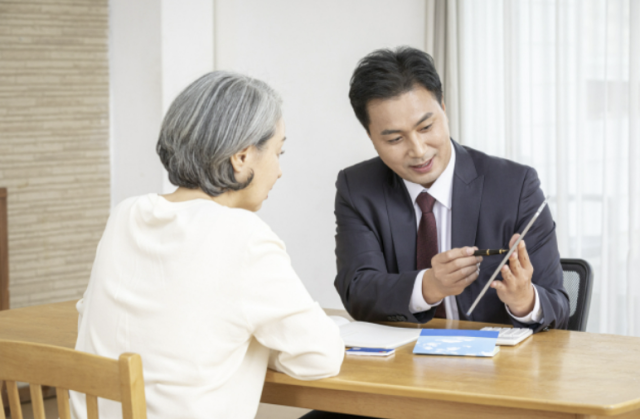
x: 201, y: 291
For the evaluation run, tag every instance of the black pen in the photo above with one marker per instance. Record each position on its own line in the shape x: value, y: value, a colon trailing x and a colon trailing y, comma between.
x: 489, y: 252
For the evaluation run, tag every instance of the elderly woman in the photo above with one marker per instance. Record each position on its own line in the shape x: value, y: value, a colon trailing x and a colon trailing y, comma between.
x: 194, y: 281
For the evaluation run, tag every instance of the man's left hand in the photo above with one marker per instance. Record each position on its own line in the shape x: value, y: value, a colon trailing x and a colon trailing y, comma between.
x: 515, y: 289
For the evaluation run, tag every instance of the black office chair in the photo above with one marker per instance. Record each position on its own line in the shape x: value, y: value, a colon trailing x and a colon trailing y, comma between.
x: 578, y: 281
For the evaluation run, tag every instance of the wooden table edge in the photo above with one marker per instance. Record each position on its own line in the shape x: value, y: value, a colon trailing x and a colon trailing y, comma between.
x: 335, y: 383
x: 57, y: 303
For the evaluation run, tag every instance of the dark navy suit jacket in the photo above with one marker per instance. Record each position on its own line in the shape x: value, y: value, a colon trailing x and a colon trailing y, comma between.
x: 493, y: 198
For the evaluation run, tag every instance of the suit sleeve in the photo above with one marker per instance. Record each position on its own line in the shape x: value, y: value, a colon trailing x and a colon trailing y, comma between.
x: 367, y: 289
x: 542, y: 246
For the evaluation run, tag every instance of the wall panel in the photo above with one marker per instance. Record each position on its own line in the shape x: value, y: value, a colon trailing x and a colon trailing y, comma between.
x: 54, y: 144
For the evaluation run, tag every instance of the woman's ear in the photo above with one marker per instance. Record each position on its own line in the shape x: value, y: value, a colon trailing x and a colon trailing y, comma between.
x: 241, y: 162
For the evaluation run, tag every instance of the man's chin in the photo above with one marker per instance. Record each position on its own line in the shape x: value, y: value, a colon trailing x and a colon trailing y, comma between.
x: 425, y: 180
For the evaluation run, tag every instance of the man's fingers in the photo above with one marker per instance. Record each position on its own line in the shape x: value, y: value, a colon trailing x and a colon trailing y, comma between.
x: 456, y: 268
x: 473, y: 276
x: 459, y: 286
x: 513, y: 239
x: 498, y: 285
x: 460, y: 252
x: 465, y: 273
x: 463, y: 263
x: 454, y: 265
x: 514, y: 264
x: 507, y: 276
x: 523, y: 256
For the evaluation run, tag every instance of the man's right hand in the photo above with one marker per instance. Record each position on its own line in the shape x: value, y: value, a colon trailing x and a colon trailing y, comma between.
x: 451, y: 272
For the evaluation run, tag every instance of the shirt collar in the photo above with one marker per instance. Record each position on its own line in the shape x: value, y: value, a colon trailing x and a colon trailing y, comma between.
x: 442, y: 188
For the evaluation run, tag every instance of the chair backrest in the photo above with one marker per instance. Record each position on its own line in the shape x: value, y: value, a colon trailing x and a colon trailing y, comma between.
x: 578, y: 281
x: 4, y: 252
x: 66, y: 369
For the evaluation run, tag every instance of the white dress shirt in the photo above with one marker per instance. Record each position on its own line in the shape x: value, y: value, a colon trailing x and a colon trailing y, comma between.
x: 442, y: 191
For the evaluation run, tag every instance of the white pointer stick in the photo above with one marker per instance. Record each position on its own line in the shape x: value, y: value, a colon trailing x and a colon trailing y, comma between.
x: 506, y: 258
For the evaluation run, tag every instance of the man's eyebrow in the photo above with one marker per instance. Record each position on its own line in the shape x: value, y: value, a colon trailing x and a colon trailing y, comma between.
x: 424, y: 118
x: 390, y: 131
x: 396, y: 131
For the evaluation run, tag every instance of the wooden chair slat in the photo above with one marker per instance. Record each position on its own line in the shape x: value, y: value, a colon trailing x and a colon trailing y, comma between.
x: 134, y: 404
x: 2, y: 415
x: 62, y: 395
x: 14, y: 400
x: 37, y: 402
x: 42, y: 366
x: 60, y: 367
x: 92, y: 407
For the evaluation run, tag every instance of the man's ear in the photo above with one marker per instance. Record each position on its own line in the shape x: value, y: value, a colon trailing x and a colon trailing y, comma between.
x: 240, y: 159
x: 442, y: 105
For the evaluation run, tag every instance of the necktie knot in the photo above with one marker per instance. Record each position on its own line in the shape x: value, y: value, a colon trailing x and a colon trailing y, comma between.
x: 425, y: 202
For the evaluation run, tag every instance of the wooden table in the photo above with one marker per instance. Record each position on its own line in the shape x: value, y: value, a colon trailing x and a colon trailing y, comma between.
x: 555, y: 374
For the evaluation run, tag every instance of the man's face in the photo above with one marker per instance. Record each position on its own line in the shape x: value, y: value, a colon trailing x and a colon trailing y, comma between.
x: 410, y: 132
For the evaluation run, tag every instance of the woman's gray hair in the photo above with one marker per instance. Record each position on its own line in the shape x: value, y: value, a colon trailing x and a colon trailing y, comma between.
x: 214, y: 118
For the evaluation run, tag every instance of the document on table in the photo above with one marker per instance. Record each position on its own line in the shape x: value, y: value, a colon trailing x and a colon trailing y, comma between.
x: 370, y: 335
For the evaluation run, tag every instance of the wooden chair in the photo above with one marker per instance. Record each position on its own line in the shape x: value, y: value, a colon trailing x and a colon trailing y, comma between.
x: 66, y: 369
x: 4, y: 252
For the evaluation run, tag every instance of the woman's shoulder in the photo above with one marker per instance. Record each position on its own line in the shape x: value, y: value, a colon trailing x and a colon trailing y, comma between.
x: 250, y: 225
x: 241, y: 229
x: 135, y: 202
x: 246, y: 220
x: 205, y: 213
x: 199, y: 216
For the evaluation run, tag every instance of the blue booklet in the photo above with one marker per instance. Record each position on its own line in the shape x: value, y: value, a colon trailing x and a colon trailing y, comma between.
x: 457, y: 342
x: 370, y: 351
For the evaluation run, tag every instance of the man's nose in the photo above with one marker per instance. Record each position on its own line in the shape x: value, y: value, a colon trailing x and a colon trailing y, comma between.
x: 418, y: 147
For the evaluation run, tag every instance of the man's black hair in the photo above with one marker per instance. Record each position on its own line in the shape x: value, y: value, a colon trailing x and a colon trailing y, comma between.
x: 387, y: 73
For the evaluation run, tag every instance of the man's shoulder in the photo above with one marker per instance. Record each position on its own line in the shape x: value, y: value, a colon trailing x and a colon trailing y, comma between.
x: 369, y: 173
x: 366, y: 181
x: 499, y: 168
x: 368, y: 167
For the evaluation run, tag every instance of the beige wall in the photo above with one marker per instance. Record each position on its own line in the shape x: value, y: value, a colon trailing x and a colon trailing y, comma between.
x: 307, y: 50
x: 54, y: 146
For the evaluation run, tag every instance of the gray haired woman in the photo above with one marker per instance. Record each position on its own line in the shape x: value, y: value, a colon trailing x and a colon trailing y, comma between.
x: 194, y: 281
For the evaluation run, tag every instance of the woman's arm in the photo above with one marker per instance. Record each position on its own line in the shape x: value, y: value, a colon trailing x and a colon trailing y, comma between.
x: 282, y: 315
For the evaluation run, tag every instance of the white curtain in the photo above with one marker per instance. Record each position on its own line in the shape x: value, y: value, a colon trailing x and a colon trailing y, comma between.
x: 555, y: 84
x: 442, y: 43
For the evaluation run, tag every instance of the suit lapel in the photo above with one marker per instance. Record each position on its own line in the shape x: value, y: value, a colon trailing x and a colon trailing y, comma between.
x: 465, y: 210
x: 402, y: 218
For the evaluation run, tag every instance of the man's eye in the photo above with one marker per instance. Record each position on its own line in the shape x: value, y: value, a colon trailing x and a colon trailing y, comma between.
x: 395, y: 140
x: 426, y: 128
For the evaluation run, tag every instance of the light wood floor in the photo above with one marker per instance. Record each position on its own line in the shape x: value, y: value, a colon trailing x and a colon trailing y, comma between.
x: 265, y: 411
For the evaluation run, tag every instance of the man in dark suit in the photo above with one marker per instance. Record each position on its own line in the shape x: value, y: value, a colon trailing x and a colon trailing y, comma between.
x: 409, y: 220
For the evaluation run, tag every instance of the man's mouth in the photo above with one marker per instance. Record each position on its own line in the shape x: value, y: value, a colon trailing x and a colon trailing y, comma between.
x: 424, y: 167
